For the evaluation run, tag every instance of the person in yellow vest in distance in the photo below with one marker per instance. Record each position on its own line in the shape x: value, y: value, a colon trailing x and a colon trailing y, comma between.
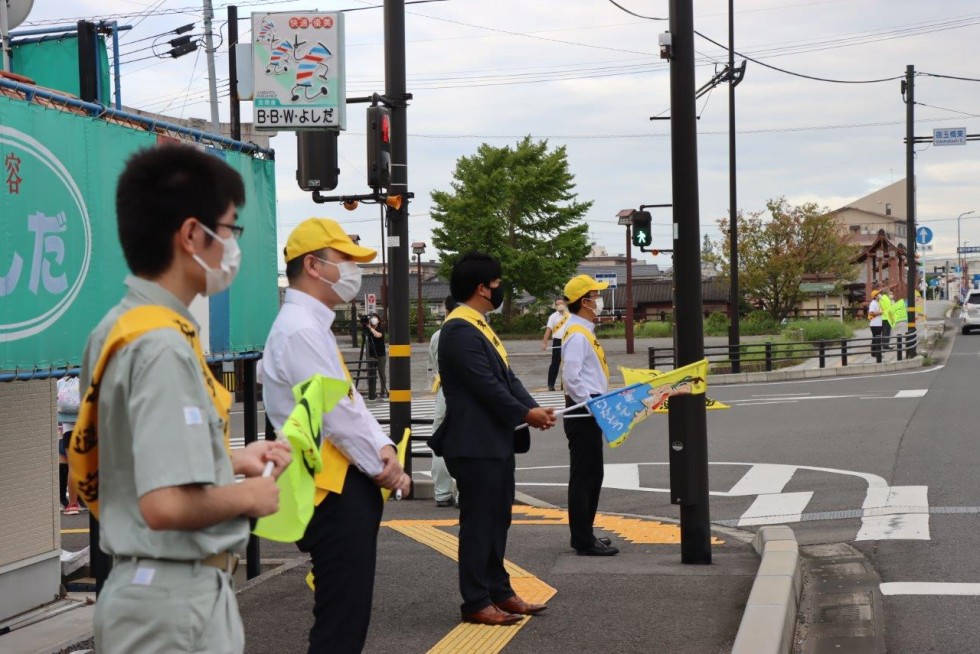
x: 150, y: 453
x: 887, y: 317
x: 900, y: 319
x: 342, y: 537
x: 485, y: 405
x: 585, y: 375
x: 553, y: 332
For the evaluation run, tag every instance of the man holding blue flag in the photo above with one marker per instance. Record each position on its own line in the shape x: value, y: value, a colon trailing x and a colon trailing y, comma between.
x: 585, y: 376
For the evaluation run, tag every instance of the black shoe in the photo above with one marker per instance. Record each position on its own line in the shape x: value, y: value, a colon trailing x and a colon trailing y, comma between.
x: 445, y: 503
x: 602, y: 541
x: 598, y: 549
x: 551, y: 388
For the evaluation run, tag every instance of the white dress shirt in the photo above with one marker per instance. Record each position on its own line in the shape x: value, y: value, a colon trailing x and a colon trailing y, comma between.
x: 875, y: 307
x: 299, y: 346
x: 582, y: 373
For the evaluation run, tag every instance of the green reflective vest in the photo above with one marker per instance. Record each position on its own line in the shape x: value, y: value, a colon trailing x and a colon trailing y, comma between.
x: 899, y: 312
x: 886, y: 308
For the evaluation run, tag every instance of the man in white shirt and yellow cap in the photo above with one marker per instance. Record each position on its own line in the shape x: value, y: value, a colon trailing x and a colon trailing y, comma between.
x: 585, y: 375
x: 321, y: 266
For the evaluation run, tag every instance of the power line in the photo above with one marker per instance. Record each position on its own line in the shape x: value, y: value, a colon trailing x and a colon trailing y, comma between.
x: 810, y: 77
x: 633, y: 13
x: 962, y: 79
x: 955, y: 111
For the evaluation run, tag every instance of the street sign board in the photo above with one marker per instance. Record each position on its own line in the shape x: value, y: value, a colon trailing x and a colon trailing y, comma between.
x: 923, y: 235
x: 607, y: 277
x: 371, y: 303
x: 298, y: 64
x: 951, y: 136
x: 970, y: 249
x: 934, y: 281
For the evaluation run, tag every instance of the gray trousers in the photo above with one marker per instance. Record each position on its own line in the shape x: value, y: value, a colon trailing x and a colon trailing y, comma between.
x: 158, y: 607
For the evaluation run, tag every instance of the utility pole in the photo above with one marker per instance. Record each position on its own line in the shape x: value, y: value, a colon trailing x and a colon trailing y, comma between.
x: 686, y: 419
x: 209, y: 51
x: 910, y: 202
x: 234, y: 102
x: 733, y: 298
x: 400, y: 352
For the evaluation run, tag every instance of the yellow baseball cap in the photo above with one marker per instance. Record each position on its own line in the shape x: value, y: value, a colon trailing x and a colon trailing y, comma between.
x: 577, y: 287
x: 317, y: 233
x: 874, y: 293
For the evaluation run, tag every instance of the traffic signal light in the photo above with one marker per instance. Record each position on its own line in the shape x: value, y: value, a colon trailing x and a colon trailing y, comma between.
x: 316, y: 160
x: 642, y: 229
x: 378, y: 147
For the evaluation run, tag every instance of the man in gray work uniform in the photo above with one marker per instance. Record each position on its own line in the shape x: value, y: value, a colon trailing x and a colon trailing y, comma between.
x: 172, y: 516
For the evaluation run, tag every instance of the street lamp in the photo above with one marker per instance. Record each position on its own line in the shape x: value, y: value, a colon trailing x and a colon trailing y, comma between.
x: 418, y: 247
x: 625, y: 217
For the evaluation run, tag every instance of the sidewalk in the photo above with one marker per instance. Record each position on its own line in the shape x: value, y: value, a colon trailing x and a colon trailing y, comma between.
x: 643, y: 600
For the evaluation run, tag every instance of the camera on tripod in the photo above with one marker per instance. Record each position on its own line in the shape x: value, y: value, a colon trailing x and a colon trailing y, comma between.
x: 365, y: 320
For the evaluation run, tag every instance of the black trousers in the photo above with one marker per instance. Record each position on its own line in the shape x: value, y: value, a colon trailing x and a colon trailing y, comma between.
x: 585, y: 473
x: 875, y: 341
x: 486, y: 496
x: 886, y: 331
x: 555, y: 362
x: 342, y: 540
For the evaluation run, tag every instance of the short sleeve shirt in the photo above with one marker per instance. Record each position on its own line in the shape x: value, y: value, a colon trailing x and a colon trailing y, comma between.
x: 554, y: 320
x: 875, y: 307
x: 157, y: 428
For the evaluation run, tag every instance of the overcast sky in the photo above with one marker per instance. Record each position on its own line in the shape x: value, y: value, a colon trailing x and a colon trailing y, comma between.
x: 587, y: 76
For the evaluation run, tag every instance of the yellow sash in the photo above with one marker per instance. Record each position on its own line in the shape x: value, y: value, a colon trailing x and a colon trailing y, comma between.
x: 83, y: 451
x: 334, y: 473
x: 559, y: 325
x: 478, y: 320
x: 590, y: 336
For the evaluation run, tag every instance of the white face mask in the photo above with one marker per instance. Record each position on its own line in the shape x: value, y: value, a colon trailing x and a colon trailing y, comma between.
x: 599, y: 305
x: 349, y: 283
x: 374, y: 322
x: 220, y: 278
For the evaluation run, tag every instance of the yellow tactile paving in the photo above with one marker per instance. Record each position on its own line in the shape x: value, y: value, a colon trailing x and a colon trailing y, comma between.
x: 483, y: 639
x: 635, y: 530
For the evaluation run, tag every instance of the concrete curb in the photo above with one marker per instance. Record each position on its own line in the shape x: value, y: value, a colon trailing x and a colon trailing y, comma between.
x: 769, y: 621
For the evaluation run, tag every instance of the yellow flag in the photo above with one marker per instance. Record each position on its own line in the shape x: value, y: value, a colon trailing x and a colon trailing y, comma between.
x: 637, y: 375
x: 314, y: 397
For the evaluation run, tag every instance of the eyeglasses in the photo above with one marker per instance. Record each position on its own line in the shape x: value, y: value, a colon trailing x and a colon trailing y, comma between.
x: 236, y: 230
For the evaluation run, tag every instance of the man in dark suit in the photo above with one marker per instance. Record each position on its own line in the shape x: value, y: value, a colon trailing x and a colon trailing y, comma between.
x: 485, y: 403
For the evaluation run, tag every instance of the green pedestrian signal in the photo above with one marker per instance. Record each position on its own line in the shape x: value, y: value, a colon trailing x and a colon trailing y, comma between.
x: 642, y: 229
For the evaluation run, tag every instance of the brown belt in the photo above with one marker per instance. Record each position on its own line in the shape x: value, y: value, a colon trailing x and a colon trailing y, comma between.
x: 227, y: 561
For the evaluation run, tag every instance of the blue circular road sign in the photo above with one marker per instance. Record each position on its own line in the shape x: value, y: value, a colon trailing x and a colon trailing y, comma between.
x: 923, y: 235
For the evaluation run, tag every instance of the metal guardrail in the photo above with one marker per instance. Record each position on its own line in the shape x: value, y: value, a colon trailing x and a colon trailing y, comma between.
x: 770, y: 353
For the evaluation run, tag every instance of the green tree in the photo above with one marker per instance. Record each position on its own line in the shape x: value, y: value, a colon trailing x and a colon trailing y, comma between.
x: 519, y: 205
x: 775, y: 251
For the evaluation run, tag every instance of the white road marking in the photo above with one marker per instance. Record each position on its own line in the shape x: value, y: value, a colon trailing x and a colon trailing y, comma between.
x: 911, y: 523
x: 928, y: 588
x: 779, y: 394
x: 915, y: 392
x: 775, y: 508
x: 763, y: 478
x: 623, y: 476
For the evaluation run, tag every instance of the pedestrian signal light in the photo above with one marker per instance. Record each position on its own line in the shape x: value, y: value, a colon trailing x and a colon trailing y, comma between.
x: 316, y: 164
x: 378, y: 147
x: 642, y: 229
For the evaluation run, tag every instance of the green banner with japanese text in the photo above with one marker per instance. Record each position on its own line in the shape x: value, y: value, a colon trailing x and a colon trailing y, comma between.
x: 61, y: 266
